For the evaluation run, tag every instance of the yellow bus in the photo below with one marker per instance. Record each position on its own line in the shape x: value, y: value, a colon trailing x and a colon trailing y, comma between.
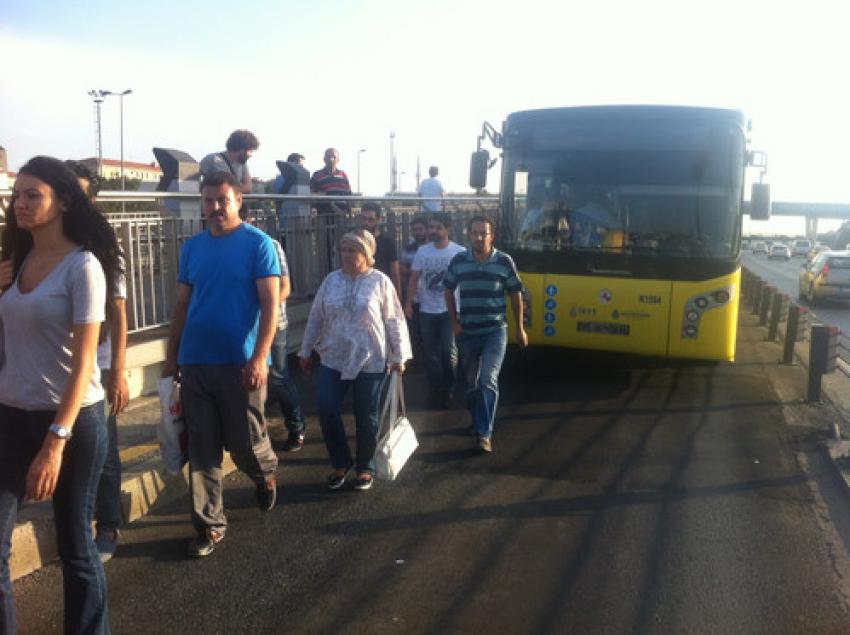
x: 625, y: 224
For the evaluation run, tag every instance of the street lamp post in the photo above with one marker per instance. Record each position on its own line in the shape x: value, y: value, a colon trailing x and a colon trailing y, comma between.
x: 359, y: 152
x: 121, y: 121
x: 97, y: 97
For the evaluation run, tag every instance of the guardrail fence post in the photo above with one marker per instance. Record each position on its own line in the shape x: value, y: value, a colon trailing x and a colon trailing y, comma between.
x: 759, y: 289
x: 131, y: 273
x: 794, y: 329
x: 778, y: 312
x: 766, y: 300
x: 823, y: 355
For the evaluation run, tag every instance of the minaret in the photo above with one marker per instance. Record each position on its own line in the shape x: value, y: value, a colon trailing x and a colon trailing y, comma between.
x: 393, y: 165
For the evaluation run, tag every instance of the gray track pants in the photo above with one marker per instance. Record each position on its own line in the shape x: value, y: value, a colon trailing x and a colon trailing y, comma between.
x: 221, y: 414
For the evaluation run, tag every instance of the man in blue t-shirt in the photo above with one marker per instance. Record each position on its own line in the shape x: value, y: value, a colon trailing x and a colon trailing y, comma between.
x: 484, y: 276
x: 222, y: 328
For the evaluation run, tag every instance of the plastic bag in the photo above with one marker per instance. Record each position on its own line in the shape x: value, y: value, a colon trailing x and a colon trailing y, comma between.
x: 171, y: 430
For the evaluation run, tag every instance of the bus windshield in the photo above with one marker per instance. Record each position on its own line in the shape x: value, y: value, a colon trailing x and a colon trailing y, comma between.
x: 627, y: 188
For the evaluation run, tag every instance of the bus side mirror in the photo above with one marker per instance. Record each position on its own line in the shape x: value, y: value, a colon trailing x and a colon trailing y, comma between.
x: 478, y: 166
x: 760, y: 201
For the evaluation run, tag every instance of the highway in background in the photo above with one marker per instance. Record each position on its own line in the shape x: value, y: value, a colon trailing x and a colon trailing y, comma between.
x: 784, y: 275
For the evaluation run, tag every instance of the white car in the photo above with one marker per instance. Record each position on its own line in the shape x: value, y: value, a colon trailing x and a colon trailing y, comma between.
x: 801, y: 248
x: 759, y: 247
x: 779, y: 250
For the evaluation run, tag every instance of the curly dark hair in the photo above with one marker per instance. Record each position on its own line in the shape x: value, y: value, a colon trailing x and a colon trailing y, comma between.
x: 242, y: 140
x: 81, y: 222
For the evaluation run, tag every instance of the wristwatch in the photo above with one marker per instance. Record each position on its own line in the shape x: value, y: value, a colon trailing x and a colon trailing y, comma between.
x: 62, y: 432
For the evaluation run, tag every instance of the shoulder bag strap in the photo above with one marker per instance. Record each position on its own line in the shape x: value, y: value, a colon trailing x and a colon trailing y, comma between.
x: 400, y: 395
x: 223, y: 155
x: 390, y: 403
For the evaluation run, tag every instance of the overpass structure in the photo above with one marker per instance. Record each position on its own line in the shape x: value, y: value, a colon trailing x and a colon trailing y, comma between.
x: 810, y: 211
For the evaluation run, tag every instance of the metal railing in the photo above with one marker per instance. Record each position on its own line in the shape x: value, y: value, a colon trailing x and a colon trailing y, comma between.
x: 827, y: 346
x: 151, y: 240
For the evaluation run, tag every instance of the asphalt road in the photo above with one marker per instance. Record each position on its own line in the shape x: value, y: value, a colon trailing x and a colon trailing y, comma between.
x: 784, y: 275
x: 624, y: 495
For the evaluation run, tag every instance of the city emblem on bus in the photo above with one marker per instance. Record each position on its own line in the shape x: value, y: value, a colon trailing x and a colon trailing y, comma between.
x: 549, y: 331
x: 605, y: 296
x: 550, y: 304
x: 551, y: 290
x: 549, y: 318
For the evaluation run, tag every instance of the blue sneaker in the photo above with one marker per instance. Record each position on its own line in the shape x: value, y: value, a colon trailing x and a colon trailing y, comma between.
x: 335, y: 481
x: 106, y: 542
x: 364, y: 482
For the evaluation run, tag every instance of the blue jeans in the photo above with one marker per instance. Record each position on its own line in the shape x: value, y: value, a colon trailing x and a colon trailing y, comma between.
x: 282, y: 388
x: 481, y: 357
x: 367, y: 397
x: 21, y: 436
x: 107, y: 509
x: 438, y: 341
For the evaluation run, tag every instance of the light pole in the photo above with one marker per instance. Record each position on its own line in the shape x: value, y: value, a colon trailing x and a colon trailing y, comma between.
x: 106, y: 93
x: 97, y: 97
x: 359, y: 152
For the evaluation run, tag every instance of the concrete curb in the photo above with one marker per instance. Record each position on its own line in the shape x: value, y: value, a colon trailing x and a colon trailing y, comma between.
x: 142, y: 486
x: 837, y: 451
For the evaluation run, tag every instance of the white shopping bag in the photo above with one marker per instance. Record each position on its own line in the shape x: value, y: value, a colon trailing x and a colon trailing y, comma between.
x: 171, y: 430
x: 399, y: 441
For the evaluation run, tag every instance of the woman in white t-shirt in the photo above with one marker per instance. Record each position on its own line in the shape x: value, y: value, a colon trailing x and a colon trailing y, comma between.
x: 64, y: 256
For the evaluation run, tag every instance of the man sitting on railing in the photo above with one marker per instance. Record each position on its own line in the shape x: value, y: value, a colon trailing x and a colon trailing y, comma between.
x: 331, y: 182
x: 241, y: 144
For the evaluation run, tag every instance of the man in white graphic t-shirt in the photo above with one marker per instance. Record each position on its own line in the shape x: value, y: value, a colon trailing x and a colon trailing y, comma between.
x: 429, y: 265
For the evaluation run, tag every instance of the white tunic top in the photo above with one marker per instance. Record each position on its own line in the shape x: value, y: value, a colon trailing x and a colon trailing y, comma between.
x: 357, y: 324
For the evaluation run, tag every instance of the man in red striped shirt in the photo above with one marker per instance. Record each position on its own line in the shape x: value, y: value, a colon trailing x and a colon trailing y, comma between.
x: 331, y: 182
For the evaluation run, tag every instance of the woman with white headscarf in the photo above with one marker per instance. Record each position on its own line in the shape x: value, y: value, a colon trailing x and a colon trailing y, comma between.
x: 357, y: 327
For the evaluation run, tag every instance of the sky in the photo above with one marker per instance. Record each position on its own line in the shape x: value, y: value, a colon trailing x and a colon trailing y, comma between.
x: 344, y: 73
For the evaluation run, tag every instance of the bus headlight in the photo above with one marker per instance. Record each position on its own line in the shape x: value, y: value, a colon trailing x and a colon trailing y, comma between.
x: 722, y: 296
x: 696, y: 306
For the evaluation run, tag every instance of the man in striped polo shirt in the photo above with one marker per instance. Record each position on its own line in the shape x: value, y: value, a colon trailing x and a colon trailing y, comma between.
x: 484, y: 275
x: 331, y: 182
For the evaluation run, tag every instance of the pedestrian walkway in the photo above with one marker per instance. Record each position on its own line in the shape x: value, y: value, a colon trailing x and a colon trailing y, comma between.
x: 624, y: 494
x: 144, y: 480
x: 146, y: 483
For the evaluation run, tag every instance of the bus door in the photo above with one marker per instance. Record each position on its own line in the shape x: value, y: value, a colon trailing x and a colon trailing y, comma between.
x: 604, y: 313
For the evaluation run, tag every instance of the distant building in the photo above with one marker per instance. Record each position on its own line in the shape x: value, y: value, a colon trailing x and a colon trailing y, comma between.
x: 4, y: 179
x: 111, y: 169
